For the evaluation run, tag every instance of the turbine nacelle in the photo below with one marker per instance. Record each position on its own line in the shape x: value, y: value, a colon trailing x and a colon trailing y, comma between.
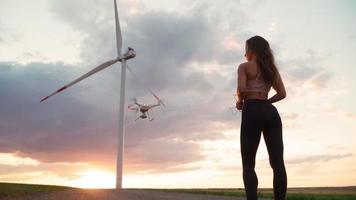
x: 131, y: 53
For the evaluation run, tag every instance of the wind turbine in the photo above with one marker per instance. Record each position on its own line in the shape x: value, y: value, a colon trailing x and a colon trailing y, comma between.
x: 120, y: 58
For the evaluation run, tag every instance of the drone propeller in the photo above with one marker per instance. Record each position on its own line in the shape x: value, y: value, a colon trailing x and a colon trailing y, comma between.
x: 131, y: 107
x: 149, y: 89
x: 134, y: 100
x: 158, y: 99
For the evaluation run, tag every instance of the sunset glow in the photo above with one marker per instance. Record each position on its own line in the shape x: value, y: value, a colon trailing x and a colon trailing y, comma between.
x: 188, y: 53
x: 94, y: 179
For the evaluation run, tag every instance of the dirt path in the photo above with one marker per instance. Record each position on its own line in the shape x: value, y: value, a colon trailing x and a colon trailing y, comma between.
x: 131, y: 194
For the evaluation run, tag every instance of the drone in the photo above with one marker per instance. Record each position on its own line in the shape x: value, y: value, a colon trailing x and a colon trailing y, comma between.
x: 145, y: 108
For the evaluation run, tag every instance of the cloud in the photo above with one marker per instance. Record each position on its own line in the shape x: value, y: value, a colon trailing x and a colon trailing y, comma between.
x: 68, y: 126
x: 163, y: 155
x: 174, y: 51
x: 45, y: 131
x: 1, y: 32
x: 351, y: 115
x: 65, y: 129
x: 13, y: 160
x: 289, y: 116
x: 305, y: 76
x: 166, y: 44
x: 317, y: 158
x: 13, y: 167
x: 300, y: 70
x: 290, y: 120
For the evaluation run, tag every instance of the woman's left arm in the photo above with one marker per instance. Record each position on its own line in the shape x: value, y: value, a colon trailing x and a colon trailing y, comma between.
x: 241, y: 85
x: 241, y: 81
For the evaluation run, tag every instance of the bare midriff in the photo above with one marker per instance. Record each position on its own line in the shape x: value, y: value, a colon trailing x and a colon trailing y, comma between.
x: 255, y: 95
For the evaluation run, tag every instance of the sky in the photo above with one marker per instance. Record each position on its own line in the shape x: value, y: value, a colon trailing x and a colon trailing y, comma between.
x: 188, y: 53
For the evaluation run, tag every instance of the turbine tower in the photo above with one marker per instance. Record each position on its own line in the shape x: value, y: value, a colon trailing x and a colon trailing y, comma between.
x: 123, y: 59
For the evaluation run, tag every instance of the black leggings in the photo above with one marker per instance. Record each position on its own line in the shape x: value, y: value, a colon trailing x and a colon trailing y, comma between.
x: 259, y: 115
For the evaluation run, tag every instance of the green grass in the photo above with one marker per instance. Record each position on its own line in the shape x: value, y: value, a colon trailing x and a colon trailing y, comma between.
x: 15, y: 189
x: 321, y: 197
x: 267, y: 193
x: 302, y: 196
x: 307, y: 193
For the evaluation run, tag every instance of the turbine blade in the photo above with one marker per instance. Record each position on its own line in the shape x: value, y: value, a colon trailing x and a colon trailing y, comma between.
x: 118, y: 31
x: 93, y: 71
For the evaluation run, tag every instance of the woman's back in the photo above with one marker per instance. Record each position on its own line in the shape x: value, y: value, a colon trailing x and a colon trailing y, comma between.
x: 254, y: 85
x: 255, y: 82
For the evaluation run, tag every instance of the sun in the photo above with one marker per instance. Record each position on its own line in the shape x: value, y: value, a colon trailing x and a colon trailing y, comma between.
x: 94, y: 179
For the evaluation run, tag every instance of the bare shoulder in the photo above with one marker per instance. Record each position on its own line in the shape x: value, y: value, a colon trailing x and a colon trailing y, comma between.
x: 247, y: 64
x: 243, y: 66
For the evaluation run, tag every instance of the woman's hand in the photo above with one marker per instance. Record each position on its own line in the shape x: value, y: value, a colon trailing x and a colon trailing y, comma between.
x: 239, y: 105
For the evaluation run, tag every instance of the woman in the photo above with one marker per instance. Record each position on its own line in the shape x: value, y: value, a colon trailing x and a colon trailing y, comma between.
x: 255, y: 78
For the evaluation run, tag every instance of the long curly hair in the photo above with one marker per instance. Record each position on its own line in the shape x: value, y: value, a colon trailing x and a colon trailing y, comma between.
x: 264, y: 58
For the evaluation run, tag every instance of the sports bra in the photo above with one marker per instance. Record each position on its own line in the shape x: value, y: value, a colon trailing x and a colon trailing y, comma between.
x: 257, y: 85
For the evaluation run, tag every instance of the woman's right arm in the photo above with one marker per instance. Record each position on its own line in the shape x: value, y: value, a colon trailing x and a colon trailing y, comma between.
x: 279, y: 88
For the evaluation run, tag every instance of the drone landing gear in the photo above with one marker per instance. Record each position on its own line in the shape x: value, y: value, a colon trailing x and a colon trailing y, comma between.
x: 148, y: 115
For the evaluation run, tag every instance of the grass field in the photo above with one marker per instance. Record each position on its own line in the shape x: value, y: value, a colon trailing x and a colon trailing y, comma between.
x: 15, y: 189
x: 302, y: 193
